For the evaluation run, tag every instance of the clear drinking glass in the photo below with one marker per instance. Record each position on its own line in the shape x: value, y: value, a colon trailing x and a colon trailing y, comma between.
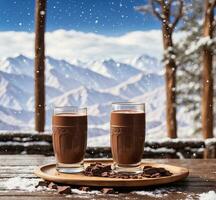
x: 69, y: 133
x: 127, y: 127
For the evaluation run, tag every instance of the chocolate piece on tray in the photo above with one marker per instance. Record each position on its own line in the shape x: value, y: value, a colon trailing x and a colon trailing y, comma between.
x: 156, y: 175
x: 150, y: 171
x: 105, y: 174
x: 101, y: 170
x: 147, y: 166
x: 146, y: 175
x: 155, y: 172
x: 97, y: 169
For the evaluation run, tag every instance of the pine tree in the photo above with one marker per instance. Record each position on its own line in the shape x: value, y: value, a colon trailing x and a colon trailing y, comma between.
x: 189, y: 58
x: 169, y: 12
x: 40, y: 18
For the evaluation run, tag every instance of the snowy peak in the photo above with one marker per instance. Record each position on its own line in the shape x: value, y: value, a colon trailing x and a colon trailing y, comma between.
x: 74, y: 76
x: 84, y: 97
x: 120, y: 71
x: 80, y: 85
x: 12, y: 96
x: 138, y: 85
x: 147, y: 64
x: 20, y: 64
x: 116, y: 70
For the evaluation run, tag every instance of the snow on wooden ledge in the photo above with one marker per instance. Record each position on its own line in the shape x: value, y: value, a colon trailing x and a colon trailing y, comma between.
x: 41, y: 143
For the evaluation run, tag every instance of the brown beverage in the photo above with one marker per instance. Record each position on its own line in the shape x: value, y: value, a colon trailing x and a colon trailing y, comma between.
x: 69, y: 137
x: 127, y: 136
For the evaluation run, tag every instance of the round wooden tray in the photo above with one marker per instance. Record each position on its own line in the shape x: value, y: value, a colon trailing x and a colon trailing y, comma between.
x: 48, y: 172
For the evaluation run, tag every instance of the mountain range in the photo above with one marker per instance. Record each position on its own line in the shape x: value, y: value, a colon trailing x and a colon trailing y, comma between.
x: 95, y: 84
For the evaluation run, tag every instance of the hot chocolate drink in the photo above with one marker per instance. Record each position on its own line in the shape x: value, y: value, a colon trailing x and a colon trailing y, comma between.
x: 69, y: 137
x: 127, y: 136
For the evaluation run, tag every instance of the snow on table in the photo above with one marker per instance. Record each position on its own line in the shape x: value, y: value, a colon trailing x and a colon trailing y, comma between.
x: 18, y: 181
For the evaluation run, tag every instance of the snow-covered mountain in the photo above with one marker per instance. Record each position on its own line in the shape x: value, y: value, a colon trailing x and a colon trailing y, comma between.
x: 65, y: 76
x: 85, y: 97
x: 112, y: 69
x: 147, y: 64
x: 11, y: 95
x: 138, y: 84
x: 94, y: 84
x: 17, y: 65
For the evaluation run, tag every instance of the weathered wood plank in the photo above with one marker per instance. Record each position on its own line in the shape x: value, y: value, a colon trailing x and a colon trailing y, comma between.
x: 202, y: 179
x: 35, y: 196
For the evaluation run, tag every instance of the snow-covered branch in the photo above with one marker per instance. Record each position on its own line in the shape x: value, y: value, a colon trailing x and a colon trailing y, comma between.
x: 155, y: 10
x: 150, y: 7
x: 169, y: 54
x: 203, y: 41
x: 178, y: 15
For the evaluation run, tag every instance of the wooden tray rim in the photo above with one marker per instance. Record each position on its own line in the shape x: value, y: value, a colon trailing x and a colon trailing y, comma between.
x: 112, y: 182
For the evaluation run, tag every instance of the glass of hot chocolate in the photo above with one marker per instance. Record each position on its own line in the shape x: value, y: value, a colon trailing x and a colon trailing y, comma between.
x: 127, y: 127
x: 69, y: 134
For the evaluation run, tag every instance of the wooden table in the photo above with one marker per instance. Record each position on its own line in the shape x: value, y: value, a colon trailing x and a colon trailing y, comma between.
x: 202, y: 179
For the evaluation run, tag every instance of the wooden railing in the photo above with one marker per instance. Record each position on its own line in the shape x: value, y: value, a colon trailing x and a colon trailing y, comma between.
x: 32, y: 143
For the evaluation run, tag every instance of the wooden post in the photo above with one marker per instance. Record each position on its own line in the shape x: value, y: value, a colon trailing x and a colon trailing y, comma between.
x: 207, y: 75
x: 40, y: 18
x: 170, y: 81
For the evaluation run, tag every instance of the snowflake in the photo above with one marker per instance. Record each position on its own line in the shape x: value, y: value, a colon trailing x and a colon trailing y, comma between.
x: 42, y: 12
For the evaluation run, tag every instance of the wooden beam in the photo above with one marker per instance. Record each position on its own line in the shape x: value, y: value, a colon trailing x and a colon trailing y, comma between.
x: 40, y: 19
